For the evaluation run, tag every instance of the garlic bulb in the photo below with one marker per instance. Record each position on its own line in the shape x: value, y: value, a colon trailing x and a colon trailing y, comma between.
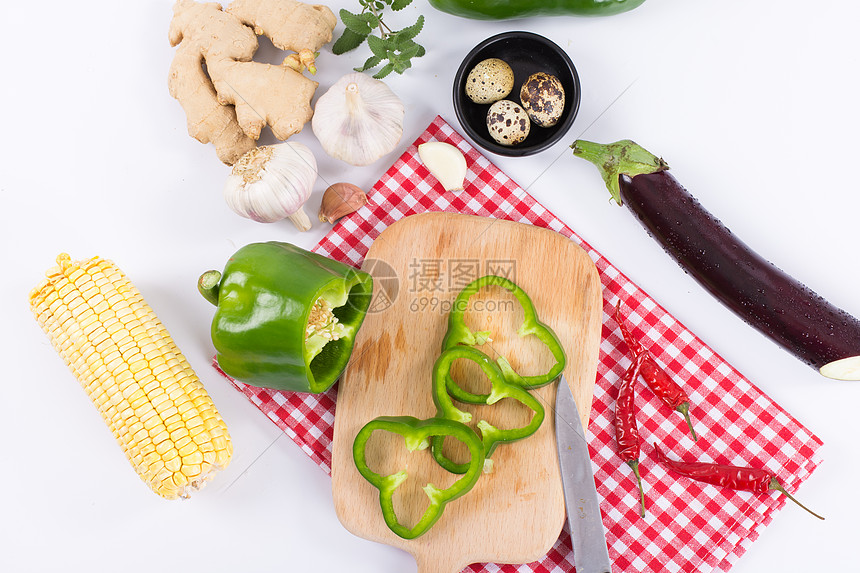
x: 272, y: 182
x: 358, y: 120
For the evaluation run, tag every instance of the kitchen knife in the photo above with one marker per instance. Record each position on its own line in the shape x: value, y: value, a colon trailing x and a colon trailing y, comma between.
x: 590, y: 554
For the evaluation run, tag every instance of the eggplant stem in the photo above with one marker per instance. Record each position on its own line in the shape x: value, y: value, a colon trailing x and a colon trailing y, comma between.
x: 623, y: 157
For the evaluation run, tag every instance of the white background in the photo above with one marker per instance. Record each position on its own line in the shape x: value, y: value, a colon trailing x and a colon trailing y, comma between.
x: 752, y: 104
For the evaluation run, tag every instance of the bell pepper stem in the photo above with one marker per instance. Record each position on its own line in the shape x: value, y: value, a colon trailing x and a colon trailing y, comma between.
x: 208, y: 285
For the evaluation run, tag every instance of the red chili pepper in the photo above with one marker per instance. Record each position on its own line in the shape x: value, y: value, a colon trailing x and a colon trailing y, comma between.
x: 626, y: 430
x: 733, y: 477
x: 657, y: 379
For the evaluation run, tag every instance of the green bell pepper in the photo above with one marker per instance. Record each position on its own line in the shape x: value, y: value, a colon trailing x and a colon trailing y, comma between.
x: 491, y: 436
x: 510, y: 9
x: 460, y: 334
x: 286, y: 318
x: 416, y: 434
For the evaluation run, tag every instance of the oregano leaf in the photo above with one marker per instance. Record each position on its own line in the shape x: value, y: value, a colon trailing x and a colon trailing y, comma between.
x: 371, y: 62
x: 410, y: 51
x: 371, y: 19
x: 377, y: 45
x: 393, y: 49
x: 386, y: 69
x: 400, y: 66
x: 347, y: 42
x: 355, y: 22
x: 410, y: 32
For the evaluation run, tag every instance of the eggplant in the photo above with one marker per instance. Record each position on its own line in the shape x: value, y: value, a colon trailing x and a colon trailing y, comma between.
x: 792, y: 315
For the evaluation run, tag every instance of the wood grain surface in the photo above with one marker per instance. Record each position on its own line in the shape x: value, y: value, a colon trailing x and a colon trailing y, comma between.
x: 515, y: 513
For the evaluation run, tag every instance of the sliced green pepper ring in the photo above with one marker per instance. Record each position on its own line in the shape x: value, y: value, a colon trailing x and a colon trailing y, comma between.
x: 417, y: 435
x: 459, y: 334
x: 491, y: 436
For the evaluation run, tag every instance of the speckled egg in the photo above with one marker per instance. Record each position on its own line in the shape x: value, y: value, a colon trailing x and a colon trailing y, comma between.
x: 508, y: 122
x: 543, y: 98
x: 490, y: 80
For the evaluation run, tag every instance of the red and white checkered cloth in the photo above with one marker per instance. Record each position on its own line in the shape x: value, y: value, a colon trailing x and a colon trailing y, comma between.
x: 689, y: 526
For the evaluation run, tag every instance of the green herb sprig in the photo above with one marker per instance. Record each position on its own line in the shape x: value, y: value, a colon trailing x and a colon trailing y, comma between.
x: 394, y: 48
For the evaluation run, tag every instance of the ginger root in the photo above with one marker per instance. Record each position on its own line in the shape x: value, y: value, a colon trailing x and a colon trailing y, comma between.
x: 290, y: 25
x: 231, y: 99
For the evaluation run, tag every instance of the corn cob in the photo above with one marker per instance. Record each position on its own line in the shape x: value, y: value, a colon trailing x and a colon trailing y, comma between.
x: 128, y: 364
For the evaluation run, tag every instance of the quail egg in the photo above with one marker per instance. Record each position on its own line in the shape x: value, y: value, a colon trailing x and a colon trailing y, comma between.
x: 542, y: 96
x: 508, y: 122
x: 490, y: 80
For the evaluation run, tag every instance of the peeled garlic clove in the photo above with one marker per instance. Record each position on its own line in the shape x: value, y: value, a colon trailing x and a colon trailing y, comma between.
x: 272, y: 182
x: 339, y: 200
x: 358, y: 120
x: 445, y: 162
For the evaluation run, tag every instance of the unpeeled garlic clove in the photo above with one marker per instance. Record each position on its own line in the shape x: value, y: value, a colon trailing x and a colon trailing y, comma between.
x: 340, y: 200
x: 445, y: 162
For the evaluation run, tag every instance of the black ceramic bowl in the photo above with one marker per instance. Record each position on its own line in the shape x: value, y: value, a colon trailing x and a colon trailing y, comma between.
x: 526, y: 53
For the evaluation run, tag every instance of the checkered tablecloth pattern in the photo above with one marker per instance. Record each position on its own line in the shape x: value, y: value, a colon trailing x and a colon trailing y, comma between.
x: 689, y: 526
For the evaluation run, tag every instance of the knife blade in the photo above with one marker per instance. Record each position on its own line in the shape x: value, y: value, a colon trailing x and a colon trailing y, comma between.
x: 590, y: 554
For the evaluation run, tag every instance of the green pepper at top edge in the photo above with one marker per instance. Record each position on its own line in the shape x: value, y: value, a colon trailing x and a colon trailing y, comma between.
x: 511, y: 9
x: 286, y: 318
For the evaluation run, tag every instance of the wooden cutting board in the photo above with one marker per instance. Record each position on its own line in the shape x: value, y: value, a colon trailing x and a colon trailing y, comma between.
x: 515, y: 513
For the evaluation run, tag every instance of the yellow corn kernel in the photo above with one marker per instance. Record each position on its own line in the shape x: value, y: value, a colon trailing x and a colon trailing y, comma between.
x: 173, y: 464
x: 194, y: 458
x: 134, y: 374
x: 190, y: 469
